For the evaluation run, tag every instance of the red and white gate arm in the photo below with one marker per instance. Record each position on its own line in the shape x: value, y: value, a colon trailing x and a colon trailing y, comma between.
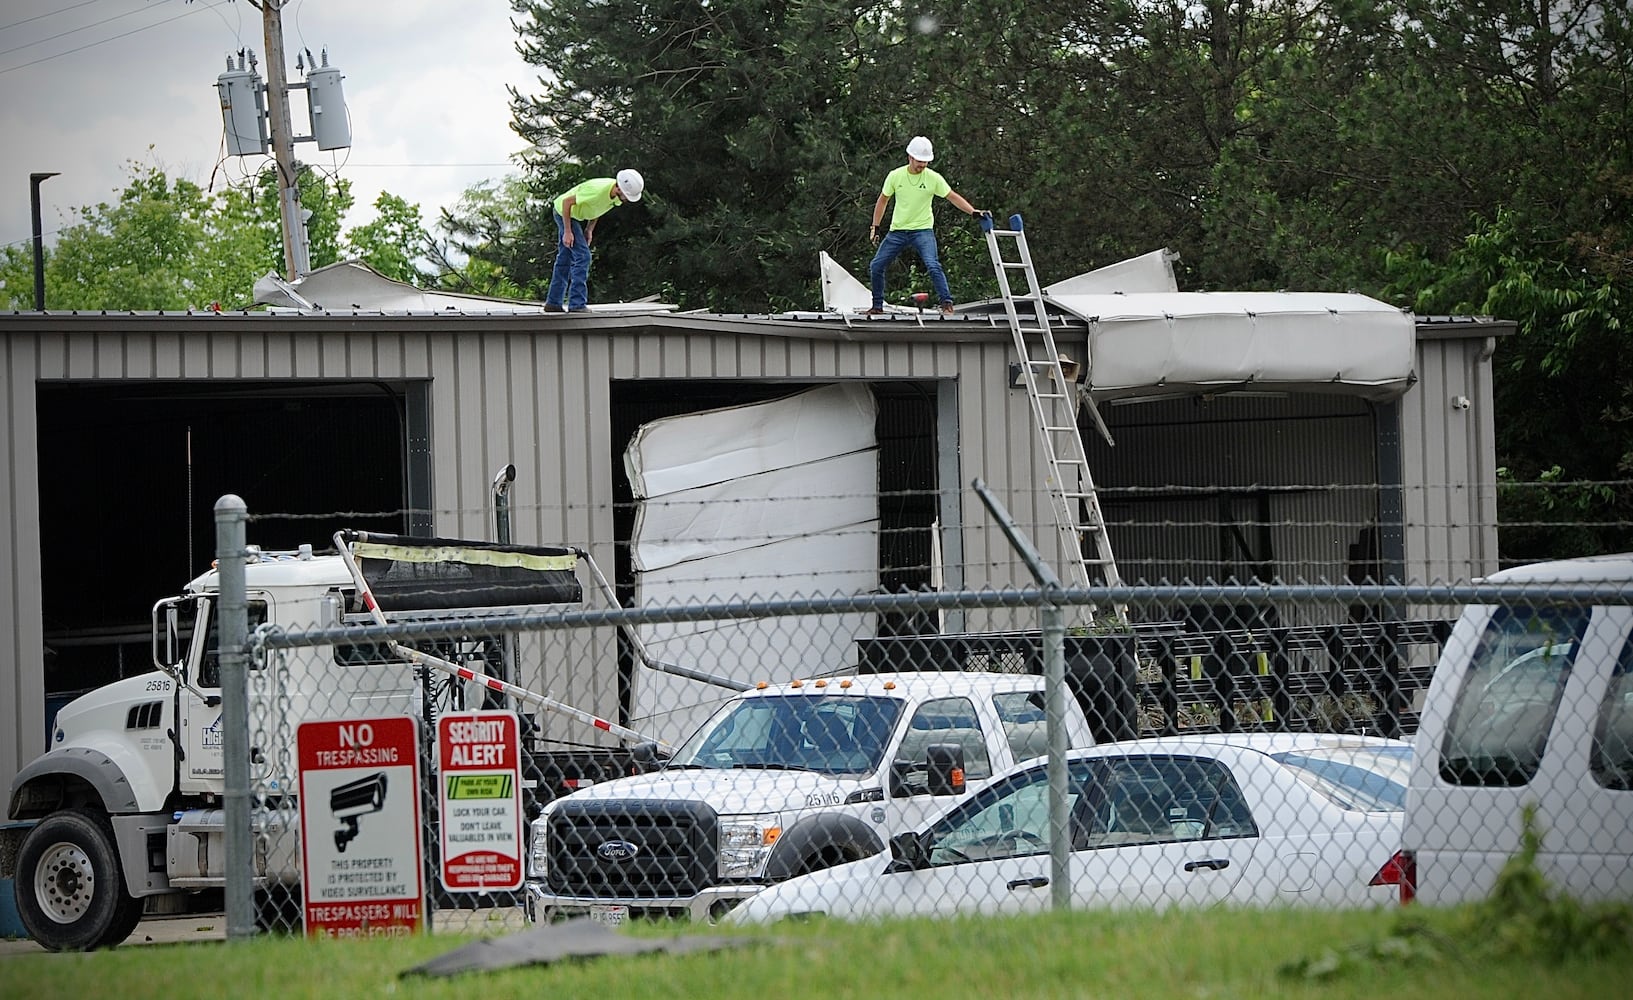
x: 466, y: 673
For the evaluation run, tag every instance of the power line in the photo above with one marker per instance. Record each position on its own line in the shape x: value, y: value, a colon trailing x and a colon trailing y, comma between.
x: 70, y: 31
x: 111, y: 38
x: 36, y: 17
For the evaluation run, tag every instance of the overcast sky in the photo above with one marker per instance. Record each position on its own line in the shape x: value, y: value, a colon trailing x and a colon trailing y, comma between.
x: 87, y: 85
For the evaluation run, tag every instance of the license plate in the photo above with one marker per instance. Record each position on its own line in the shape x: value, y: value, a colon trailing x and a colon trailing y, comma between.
x: 611, y: 914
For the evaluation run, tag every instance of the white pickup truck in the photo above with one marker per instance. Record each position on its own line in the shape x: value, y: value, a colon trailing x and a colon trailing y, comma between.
x: 784, y: 780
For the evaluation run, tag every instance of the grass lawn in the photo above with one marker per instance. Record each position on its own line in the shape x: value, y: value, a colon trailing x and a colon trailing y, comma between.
x: 1221, y: 954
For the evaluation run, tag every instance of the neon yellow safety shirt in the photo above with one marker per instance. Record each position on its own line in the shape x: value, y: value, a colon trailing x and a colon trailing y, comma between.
x: 594, y: 199
x: 914, y: 194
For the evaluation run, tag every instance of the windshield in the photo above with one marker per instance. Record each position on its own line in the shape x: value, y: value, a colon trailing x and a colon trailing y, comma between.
x: 832, y: 734
x: 1360, y: 779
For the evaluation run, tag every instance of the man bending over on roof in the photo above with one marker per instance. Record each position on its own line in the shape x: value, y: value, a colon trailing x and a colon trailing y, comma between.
x: 589, y: 201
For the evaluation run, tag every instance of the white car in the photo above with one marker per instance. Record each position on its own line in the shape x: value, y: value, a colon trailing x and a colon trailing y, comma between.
x: 1259, y: 819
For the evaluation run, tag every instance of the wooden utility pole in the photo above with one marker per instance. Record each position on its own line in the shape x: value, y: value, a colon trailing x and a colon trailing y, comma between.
x: 296, y: 261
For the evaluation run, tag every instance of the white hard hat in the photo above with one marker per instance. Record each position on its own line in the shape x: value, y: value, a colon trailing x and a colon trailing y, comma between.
x: 920, y: 149
x: 631, y: 184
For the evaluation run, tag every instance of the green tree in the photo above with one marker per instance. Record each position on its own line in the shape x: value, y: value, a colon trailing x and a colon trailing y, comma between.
x: 1563, y: 383
x: 498, y: 240
x: 763, y: 130
x: 167, y: 243
x: 395, y: 242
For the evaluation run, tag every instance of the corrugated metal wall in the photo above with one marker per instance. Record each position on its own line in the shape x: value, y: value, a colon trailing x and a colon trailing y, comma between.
x: 535, y: 393
x: 1448, y: 455
x: 502, y: 390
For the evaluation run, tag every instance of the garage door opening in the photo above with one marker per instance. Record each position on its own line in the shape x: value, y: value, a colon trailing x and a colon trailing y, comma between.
x: 129, y: 478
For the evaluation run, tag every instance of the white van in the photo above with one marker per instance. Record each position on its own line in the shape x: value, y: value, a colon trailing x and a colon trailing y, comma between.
x: 1531, y: 704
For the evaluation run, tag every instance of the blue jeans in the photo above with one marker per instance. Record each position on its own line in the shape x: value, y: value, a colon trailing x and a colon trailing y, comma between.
x: 921, y: 240
x: 570, y: 278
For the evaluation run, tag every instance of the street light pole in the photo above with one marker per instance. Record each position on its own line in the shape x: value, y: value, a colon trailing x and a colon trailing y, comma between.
x: 34, y: 181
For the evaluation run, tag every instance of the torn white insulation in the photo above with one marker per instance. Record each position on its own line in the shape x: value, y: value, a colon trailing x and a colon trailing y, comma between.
x: 769, y: 499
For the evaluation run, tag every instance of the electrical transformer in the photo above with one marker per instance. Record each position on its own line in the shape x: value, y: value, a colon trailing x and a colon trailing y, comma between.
x: 330, y: 126
x: 243, y: 110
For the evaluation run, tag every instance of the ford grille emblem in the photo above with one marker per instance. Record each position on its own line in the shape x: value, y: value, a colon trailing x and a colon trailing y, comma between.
x: 617, y: 850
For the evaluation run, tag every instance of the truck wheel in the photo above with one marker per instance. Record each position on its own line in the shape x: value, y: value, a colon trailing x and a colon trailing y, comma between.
x: 70, y: 889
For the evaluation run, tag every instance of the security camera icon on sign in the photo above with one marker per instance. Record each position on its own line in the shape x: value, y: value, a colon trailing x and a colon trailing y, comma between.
x: 353, y: 800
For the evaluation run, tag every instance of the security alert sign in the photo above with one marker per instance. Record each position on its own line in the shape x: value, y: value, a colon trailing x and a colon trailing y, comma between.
x: 361, y: 859
x: 479, y: 775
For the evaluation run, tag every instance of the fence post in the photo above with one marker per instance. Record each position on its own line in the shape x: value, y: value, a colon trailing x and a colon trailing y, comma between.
x: 1053, y: 627
x: 233, y: 608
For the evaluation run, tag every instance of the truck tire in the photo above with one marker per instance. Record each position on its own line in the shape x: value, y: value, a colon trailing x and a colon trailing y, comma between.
x: 70, y: 888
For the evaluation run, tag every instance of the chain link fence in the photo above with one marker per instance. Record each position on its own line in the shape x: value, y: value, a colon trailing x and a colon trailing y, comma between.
x: 758, y: 758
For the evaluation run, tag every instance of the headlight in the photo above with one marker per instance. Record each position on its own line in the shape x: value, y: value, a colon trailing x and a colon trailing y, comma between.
x: 745, y: 844
x: 538, y: 847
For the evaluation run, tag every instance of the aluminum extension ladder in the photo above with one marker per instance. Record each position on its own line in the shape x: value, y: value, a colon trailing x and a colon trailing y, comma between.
x: 1079, y: 522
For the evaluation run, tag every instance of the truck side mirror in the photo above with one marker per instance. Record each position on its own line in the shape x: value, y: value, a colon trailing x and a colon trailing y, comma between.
x: 168, y: 650
x: 946, y: 768
x: 646, y: 756
x: 906, y: 779
x: 907, y: 853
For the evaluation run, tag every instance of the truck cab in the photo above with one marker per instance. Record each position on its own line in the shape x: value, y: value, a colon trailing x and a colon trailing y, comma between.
x: 127, y: 802
x: 782, y: 780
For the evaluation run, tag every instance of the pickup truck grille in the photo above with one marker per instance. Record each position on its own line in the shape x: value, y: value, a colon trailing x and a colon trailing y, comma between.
x: 631, y: 850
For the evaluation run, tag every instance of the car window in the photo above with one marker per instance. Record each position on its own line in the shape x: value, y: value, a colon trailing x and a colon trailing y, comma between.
x: 1013, y: 822
x: 943, y: 720
x: 1360, y: 779
x: 1112, y: 802
x: 1612, y: 760
x: 1509, y: 696
x: 1159, y: 799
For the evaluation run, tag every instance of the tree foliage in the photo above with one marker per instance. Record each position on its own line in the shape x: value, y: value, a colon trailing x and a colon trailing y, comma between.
x: 1450, y: 154
x: 167, y: 243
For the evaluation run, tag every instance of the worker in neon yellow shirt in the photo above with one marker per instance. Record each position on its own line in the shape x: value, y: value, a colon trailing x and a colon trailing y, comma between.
x: 915, y: 188
x: 586, y: 203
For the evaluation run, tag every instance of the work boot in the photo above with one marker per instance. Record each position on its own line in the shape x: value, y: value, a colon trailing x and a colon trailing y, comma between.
x: 875, y: 311
x: 551, y: 307
x: 946, y: 309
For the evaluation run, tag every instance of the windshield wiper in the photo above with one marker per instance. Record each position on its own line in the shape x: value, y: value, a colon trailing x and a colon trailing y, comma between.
x: 767, y: 766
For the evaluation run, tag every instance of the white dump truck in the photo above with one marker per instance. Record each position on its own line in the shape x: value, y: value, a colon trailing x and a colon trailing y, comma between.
x: 127, y: 803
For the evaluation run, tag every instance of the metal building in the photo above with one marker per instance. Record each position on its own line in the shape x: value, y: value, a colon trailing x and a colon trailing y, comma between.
x: 121, y: 430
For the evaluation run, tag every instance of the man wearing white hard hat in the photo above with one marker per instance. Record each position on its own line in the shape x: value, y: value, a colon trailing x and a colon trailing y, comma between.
x: 915, y: 188
x: 576, y: 213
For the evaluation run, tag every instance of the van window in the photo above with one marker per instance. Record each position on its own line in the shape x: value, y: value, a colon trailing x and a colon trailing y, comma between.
x: 1509, y: 696
x: 1612, y: 761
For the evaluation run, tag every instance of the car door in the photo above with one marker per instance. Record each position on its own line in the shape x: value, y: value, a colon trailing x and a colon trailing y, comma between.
x: 989, y: 856
x: 1151, y: 830
x: 1158, y: 830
